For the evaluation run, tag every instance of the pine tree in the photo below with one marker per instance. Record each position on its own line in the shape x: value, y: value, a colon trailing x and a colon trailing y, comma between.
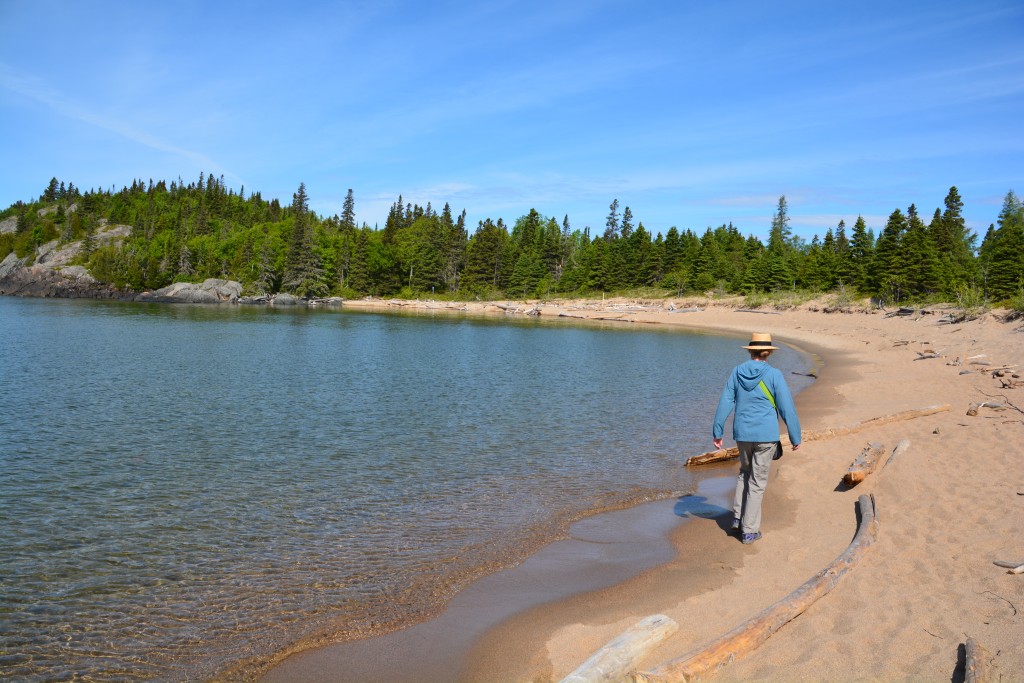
x: 1004, y: 251
x: 919, y: 258
x: 843, y: 271
x: 954, y: 243
x: 348, y: 211
x: 862, y: 250
x: 888, y: 271
x: 50, y: 193
x: 611, y: 224
x: 359, y: 272
x: 303, y: 268
x: 484, y: 257
x: 626, y: 229
x: 779, y: 257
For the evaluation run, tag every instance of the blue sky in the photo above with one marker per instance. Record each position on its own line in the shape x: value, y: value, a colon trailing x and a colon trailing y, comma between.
x: 692, y: 114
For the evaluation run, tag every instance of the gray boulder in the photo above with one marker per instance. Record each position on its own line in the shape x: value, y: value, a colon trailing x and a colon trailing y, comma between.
x: 210, y: 291
x: 284, y: 299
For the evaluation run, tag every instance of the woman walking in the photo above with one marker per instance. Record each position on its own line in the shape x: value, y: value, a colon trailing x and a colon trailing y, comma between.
x: 760, y: 396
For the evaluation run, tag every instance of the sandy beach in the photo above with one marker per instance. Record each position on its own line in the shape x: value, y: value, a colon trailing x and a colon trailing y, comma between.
x: 949, y: 506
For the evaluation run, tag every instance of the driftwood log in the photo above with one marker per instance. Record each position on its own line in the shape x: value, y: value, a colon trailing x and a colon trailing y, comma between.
x: 819, y: 434
x: 750, y: 635
x: 614, y: 661
x: 864, y: 464
x: 1011, y: 567
x: 900, y: 449
x: 976, y: 663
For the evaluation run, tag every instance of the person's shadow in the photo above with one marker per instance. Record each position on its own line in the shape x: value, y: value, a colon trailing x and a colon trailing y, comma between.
x: 699, y: 507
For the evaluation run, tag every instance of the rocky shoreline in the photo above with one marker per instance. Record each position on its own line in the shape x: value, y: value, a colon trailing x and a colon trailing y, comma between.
x: 52, y: 276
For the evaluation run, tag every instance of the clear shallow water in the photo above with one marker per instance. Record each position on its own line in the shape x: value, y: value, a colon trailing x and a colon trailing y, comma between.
x: 183, y: 488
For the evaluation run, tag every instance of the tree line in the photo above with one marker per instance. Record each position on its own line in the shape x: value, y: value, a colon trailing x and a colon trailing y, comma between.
x: 203, y: 229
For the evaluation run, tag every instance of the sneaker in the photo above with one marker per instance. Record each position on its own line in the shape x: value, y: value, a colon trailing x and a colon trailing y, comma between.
x: 735, y: 524
x: 750, y: 538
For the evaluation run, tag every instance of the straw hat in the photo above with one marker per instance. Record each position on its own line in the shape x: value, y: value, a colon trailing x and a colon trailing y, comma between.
x: 760, y: 341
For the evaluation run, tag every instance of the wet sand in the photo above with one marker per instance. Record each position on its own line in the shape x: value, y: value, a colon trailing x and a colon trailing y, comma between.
x: 952, y: 504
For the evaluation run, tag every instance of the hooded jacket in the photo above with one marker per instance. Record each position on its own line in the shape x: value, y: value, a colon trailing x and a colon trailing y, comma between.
x: 756, y: 420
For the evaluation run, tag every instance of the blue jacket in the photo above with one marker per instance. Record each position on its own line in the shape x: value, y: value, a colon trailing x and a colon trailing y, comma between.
x: 756, y: 419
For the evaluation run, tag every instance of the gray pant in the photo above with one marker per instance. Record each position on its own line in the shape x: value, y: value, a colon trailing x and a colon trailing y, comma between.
x: 755, y: 465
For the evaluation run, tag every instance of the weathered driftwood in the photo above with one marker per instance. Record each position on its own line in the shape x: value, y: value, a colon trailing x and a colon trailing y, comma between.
x: 976, y: 663
x: 875, y: 422
x: 750, y: 635
x: 614, y: 661
x: 751, y: 310
x: 1013, y: 567
x: 864, y: 464
x: 819, y: 434
x: 972, y: 409
x: 900, y: 449
x: 713, y: 456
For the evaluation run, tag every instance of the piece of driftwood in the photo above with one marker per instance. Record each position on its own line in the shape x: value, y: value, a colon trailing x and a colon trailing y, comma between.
x: 864, y: 464
x: 1013, y: 567
x: 972, y: 409
x: 614, y: 661
x: 977, y: 668
x: 751, y: 310
x: 900, y: 449
x: 750, y: 635
x: 720, y: 455
x: 875, y: 422
x: 819, y: 434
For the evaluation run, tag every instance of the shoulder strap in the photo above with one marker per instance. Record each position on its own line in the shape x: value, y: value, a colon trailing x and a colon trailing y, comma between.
x: 764, y: 388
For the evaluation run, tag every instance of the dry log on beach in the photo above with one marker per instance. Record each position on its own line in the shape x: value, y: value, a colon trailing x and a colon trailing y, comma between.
x: 976, y: 663
x: 1013, y: 567
x: 818, y: 434
x: 864, y: 464
x: 875, y: 421
x: 750, y: 310
x: 750, y: 635
x: 900, y: 449
x: 972, y: 409
x: 614, y: 661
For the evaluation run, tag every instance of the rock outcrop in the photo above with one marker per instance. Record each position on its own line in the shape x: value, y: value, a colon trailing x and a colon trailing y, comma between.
x: 210, y: 291
x: 51, y: 276
x: 66, y: 282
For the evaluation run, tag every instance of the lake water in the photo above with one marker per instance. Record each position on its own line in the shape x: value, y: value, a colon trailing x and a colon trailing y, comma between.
x: 183, y: 488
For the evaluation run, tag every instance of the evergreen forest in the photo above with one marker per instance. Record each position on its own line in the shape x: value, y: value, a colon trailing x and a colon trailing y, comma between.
x: 199, y: 230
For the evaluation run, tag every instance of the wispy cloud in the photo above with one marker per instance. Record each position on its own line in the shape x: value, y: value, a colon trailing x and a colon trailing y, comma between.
x: 54, y: 100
